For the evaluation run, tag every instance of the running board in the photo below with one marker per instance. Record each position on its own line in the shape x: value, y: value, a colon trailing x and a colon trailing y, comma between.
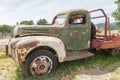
x: 78, y: 55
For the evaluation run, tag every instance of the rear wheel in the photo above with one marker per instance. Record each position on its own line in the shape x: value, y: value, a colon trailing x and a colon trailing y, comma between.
x: 114, y: 51
x: 41, y: 62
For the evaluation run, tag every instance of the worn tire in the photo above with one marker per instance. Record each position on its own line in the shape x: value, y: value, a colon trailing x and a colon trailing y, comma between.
x: 40, y: 53
x: 93, y: 31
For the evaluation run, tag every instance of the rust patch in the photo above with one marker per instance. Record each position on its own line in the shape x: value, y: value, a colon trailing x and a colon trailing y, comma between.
x: 83, y: 33
x: 24, y: 46
x: 27, y: 43
x: 75, y: 33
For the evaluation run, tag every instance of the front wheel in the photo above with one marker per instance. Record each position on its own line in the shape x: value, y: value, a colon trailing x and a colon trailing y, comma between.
x: 40, y: 62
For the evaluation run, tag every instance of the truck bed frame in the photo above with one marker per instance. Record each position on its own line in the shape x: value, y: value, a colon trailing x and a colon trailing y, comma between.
x: 107, y: 40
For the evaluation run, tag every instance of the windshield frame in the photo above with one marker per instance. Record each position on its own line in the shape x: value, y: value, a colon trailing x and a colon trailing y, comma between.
x: 65, y: 18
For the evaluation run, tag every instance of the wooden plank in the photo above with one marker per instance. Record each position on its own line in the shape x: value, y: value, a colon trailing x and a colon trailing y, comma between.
x: 5, y: 42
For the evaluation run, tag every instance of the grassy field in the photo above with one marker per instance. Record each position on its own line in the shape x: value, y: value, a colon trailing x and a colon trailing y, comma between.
x: 90, y: 68
x: 112, y: 31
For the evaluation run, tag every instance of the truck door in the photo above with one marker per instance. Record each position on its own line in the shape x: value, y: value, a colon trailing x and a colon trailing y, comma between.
x: 78, y: 32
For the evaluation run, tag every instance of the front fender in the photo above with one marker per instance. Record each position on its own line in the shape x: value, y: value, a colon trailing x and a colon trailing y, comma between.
x: 57, y: 45
x: 26, y: 45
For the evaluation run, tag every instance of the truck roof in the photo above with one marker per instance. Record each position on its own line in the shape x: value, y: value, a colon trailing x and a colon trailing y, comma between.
x: 74, y: 10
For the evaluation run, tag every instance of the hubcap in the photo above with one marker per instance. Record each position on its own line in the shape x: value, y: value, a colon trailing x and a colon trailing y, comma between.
x: 41, y: 65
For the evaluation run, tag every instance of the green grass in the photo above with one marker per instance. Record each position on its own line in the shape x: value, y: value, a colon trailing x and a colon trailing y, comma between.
x: 114, y: 78
x: 67, y: 69
x: 114, y: 31
x: 7, y: 67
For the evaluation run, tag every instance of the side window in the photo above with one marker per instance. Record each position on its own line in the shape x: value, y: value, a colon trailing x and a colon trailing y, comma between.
x: 77, y: 19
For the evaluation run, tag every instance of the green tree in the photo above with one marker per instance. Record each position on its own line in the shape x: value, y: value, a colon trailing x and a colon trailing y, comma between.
x: 27, y: 22
x: 5, y: 28
x: 42, y: 22
x: 116, y: 13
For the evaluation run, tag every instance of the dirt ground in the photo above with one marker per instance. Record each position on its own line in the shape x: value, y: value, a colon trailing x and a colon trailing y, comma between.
x: 93, y: 74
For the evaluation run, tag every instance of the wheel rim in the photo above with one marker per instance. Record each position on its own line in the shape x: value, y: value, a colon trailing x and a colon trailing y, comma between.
x: 41, y: 65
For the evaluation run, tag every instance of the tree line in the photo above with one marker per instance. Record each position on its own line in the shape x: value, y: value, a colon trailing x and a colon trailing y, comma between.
x: 7, y: 28
x: 39, y: 22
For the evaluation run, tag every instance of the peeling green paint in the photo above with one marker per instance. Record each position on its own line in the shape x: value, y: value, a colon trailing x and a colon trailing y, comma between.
x: 75, y: 37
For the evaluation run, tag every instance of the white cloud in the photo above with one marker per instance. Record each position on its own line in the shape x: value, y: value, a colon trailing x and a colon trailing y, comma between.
x: 3, y: 9
x: 18, y: 10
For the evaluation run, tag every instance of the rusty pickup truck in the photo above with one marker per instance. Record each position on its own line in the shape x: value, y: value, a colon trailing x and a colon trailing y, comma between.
x: 72, y: 35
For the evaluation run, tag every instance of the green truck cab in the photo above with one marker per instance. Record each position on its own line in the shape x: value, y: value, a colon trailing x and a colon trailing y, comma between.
x: 41, y: 47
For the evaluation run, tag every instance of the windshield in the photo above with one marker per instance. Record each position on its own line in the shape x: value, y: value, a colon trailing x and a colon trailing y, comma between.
x: 60, y: 19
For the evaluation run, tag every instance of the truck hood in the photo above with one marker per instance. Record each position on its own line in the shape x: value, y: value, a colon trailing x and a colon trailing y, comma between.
x: 22, y: 30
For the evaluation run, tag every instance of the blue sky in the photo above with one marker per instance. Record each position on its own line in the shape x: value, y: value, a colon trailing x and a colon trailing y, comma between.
x: 12, y: 11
